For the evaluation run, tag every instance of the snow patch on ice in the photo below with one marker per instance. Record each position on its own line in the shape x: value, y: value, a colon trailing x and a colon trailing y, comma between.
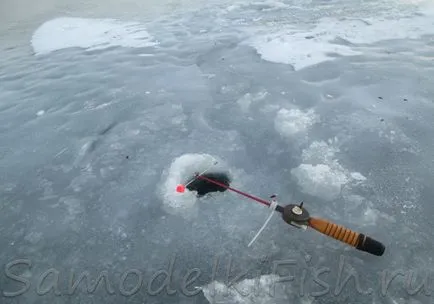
x: 293, y: 121
x: 303, y: 48
x: 89, y: 34
x: 291, y: 48
x: 320, y: 174
x: 181, y: 169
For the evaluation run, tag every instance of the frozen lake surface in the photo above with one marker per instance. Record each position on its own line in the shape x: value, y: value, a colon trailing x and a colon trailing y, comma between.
x: 104, y: 110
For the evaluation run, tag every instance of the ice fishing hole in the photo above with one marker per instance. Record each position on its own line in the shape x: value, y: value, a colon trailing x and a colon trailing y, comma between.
x: 203, y: 187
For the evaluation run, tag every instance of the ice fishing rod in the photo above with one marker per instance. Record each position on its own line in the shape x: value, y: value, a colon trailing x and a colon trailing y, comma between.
x: 298, y: 216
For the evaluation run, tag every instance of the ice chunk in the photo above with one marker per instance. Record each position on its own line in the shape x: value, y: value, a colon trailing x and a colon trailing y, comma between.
x: 321, y: 174
x: 291, y: 122
x: 320, y: 180
x: 90, y: 34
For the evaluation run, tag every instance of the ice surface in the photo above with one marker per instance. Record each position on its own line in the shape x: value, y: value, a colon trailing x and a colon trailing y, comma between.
x: 89, y: 34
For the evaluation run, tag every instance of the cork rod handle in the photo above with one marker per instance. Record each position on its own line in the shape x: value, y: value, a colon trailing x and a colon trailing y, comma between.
x: 345, y: 235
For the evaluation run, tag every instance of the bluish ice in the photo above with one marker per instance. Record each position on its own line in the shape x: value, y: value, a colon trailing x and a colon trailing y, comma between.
x: 325, y: 102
